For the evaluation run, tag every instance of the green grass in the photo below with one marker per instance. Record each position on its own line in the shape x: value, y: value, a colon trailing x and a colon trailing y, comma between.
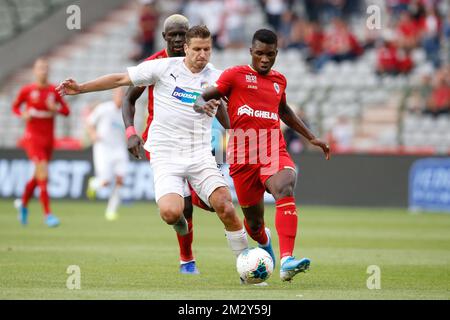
x: 136, y: 257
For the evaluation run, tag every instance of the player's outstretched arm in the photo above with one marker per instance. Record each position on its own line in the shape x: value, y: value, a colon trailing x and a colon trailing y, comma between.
x: 289, y: 117
x: 134, y: 142
x: 110, y: 81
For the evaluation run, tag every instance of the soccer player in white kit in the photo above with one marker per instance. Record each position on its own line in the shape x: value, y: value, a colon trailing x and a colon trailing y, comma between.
x: 107, y: 132
x: 180, y: 144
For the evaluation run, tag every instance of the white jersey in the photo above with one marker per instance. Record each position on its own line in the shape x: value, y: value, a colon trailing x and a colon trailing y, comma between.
x: 108, y: 123
x: 177, y: 131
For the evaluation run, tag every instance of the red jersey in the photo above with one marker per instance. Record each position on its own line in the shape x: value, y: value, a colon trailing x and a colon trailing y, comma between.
x: 253, y: 105
x: 37, y: 100
x: 158, y: 55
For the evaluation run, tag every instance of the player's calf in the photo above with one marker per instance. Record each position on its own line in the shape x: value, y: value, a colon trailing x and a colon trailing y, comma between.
x: 221, y: 201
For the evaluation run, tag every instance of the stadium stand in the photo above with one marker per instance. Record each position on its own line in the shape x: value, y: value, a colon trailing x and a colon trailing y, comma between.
x: 17, y: 15
x: 376, y: 106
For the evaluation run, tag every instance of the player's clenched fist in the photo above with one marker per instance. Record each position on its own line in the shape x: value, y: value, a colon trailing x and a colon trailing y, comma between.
x: 68, y: 87
x: 134, y: 146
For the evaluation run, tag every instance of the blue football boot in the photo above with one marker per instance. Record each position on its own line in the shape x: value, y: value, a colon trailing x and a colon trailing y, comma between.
x: 189, y: 268
x: 292, y: 266
x: 51, y: 221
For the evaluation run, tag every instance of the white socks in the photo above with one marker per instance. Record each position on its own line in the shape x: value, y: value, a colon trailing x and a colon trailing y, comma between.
x: 181, y: 226
x: 237, y: 240
x: 114, y: 200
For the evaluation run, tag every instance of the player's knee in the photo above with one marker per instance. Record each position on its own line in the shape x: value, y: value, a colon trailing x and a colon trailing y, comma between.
x: 41, y: 171
x: 285, y: 190
x: 170, y: 214
x: 225, y: 209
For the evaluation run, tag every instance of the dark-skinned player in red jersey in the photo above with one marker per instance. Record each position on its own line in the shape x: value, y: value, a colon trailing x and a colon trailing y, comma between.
x: 259, y: 160
x: 175, y: 28
x: 42, y: 104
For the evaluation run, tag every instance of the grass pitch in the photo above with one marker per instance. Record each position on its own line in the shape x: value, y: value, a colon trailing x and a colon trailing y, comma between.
x: 136, y: 257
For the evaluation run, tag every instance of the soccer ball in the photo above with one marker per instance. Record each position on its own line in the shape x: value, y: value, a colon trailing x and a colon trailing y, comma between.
x: 254, y: 265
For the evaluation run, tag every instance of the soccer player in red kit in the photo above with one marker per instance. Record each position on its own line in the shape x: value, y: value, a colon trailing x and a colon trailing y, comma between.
x: 42, y: 103
x: 175, y: 28
x: 259, y: 160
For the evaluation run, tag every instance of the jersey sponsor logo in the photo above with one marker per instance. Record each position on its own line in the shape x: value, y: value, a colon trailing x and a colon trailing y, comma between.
x: 185, y: 96
x: 245, y: 109
x: 251, y: 78
x: 35, y: 113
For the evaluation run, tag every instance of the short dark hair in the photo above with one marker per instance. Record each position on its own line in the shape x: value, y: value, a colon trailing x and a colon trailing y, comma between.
x: 265, y: 36
x: 200, y: 31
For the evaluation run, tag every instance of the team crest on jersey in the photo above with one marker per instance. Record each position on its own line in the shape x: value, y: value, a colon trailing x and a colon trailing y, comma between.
x: 204, y: 85
x: 276, y: 87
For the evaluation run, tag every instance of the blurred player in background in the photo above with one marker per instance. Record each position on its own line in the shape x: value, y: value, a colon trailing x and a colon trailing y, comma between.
x: 180, y: 138
x: 257, y: 102
x: 107, y: 132
x: 42, y: 104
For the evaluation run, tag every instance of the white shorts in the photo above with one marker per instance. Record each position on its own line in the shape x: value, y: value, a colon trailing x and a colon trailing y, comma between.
x: 109, y: 165
x: 203, y: 176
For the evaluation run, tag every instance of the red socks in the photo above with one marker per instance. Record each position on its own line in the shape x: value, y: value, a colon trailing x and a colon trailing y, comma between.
x: 259, y: 236
x: 28, y: 193
x: 45, y: 200
x: 286, y: 225
x: 185, y: 243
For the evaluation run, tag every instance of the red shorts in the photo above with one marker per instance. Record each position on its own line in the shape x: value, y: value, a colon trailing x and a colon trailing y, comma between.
x: 38, y: 150
x: 250, y: 179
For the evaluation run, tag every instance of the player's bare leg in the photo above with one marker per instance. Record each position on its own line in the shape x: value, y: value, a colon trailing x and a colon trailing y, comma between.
x: 222, y: 203
x: 254, y: 224
x: 171, y: 208
x: 282, y: 185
